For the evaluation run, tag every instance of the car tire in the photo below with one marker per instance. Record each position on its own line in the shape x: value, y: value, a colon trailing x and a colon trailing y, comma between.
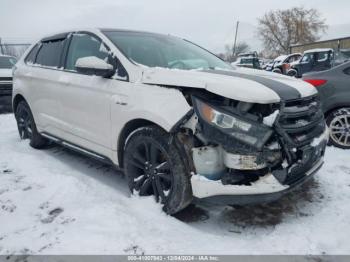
x: 292, y: 73
x: 27, y: 127
x: 154, y: 166
x: 277, y: 71
x: 338, y: 122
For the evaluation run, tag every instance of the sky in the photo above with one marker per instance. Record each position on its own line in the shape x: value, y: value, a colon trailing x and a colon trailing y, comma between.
x: 208, y: 23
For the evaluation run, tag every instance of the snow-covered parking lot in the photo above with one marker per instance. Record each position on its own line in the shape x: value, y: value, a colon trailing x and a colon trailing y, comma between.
x: 57, y: 202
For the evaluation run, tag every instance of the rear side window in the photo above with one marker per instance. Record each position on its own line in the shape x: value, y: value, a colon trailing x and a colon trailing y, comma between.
x: 85, y: 45
x: 30, y: 59
x: 322, y: 57
x: 50, y: 53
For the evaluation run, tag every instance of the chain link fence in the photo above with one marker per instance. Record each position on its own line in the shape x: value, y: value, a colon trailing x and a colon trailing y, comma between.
x: 15, y: 50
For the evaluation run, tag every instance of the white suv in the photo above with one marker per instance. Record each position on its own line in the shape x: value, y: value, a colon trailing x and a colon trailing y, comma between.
x: 6, y: 64
x: 179, y: 121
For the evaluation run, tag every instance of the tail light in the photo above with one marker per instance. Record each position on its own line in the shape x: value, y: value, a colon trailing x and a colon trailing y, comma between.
x: 316, y: 82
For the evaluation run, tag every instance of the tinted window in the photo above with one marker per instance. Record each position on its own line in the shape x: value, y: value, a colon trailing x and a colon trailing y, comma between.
x: 50, y: 53
x: 293, y: 58
x: 32, y: 55
x: 307, y: 58
x: 247, y: 61
x: 84, y: 45
x: 322, y: 57
x: 7, y: 62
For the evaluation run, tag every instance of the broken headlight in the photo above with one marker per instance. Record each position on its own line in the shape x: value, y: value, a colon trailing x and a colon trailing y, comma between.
x: 244, y: 130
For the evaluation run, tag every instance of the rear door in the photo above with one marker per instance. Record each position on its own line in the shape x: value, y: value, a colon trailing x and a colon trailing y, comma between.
x: 323, y: 61
x: 45, y: 77
x: 85, y: 99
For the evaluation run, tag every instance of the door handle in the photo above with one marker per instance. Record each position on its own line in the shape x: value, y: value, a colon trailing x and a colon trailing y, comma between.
x: 119, y: 100
x: 121, y: 103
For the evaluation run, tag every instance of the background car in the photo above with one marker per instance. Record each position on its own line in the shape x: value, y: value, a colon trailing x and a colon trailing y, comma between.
x: 282, y: 64
x: 334, y: 89
x: 250, y: 62
x: 6, y: 64
x: 316, y: 60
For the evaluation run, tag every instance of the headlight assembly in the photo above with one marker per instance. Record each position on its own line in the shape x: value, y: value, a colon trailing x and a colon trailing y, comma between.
x: 244, y: 130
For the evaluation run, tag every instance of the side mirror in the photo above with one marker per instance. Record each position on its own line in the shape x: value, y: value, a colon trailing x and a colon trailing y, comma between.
x: 92, y: 65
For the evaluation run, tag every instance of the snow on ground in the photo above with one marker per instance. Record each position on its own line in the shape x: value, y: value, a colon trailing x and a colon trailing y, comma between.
x: 57, y: 202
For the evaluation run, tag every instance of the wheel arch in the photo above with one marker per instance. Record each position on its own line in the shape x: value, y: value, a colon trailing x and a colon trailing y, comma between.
x: 334, y: 108
x: 18, y: 98
x: 128, y: 128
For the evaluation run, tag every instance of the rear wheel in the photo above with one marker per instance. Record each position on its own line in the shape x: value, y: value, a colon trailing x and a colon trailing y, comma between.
x: 27, y: 128
x: 338, y: 122
x: 153, y: 166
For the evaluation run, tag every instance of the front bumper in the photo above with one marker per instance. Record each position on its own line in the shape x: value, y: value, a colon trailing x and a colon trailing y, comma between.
x: 267, y: 188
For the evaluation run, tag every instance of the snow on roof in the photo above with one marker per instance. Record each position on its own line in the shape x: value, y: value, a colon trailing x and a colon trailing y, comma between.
x: 317, y: 50
x: 281, y: 57
x: 295, y: 54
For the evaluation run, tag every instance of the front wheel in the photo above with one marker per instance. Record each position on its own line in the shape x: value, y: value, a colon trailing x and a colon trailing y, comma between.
x: 292, y: 72
x: 338, y: 122
x: 277, y: 71
x: 154, y: 166
x: 27, y: 128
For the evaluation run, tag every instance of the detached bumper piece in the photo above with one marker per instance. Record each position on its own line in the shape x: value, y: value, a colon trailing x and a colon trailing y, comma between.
x: 5, y: 86
x: 266, y: 189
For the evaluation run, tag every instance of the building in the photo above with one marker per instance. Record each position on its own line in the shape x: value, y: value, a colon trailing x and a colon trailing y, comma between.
x: 336, y: 44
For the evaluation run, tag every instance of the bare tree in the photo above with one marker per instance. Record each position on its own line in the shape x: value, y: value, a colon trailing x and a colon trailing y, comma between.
x: 280, y: 29
x: 241, y: 47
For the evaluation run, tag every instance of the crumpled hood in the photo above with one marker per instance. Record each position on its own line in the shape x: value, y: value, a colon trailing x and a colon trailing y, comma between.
x: 5, y: 72
x: 248, y: 85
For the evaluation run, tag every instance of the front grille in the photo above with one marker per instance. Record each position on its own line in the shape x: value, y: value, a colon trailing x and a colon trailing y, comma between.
x: 5, y: 79
x: 5, y: 89
x: 301, y: 120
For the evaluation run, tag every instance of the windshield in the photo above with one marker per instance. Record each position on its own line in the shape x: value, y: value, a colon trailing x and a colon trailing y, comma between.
x: 7, y: 62
x: 154, y: 50
x: 307, y: 58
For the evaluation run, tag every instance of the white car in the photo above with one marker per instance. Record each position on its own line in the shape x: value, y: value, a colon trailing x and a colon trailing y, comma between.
x: 6, y: 64
x: 180, y: 122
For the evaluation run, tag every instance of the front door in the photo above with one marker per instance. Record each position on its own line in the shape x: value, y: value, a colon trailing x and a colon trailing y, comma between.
x: 85, y: 98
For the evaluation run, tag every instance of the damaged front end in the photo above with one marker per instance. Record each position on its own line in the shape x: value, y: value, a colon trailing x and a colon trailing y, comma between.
x: 244, y: 150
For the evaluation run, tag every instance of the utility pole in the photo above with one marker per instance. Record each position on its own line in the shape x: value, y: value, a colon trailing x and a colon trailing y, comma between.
x: 234, y: 45
x: 1, y: 47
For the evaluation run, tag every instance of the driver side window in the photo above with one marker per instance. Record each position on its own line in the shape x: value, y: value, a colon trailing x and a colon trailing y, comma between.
x: 306, y: 58
x: 84, y: 45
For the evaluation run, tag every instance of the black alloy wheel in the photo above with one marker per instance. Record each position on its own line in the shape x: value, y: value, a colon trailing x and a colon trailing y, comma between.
x: 151, y: 172
x: 154, y: 166
x: 24, y: 122
x: 27, y: 128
